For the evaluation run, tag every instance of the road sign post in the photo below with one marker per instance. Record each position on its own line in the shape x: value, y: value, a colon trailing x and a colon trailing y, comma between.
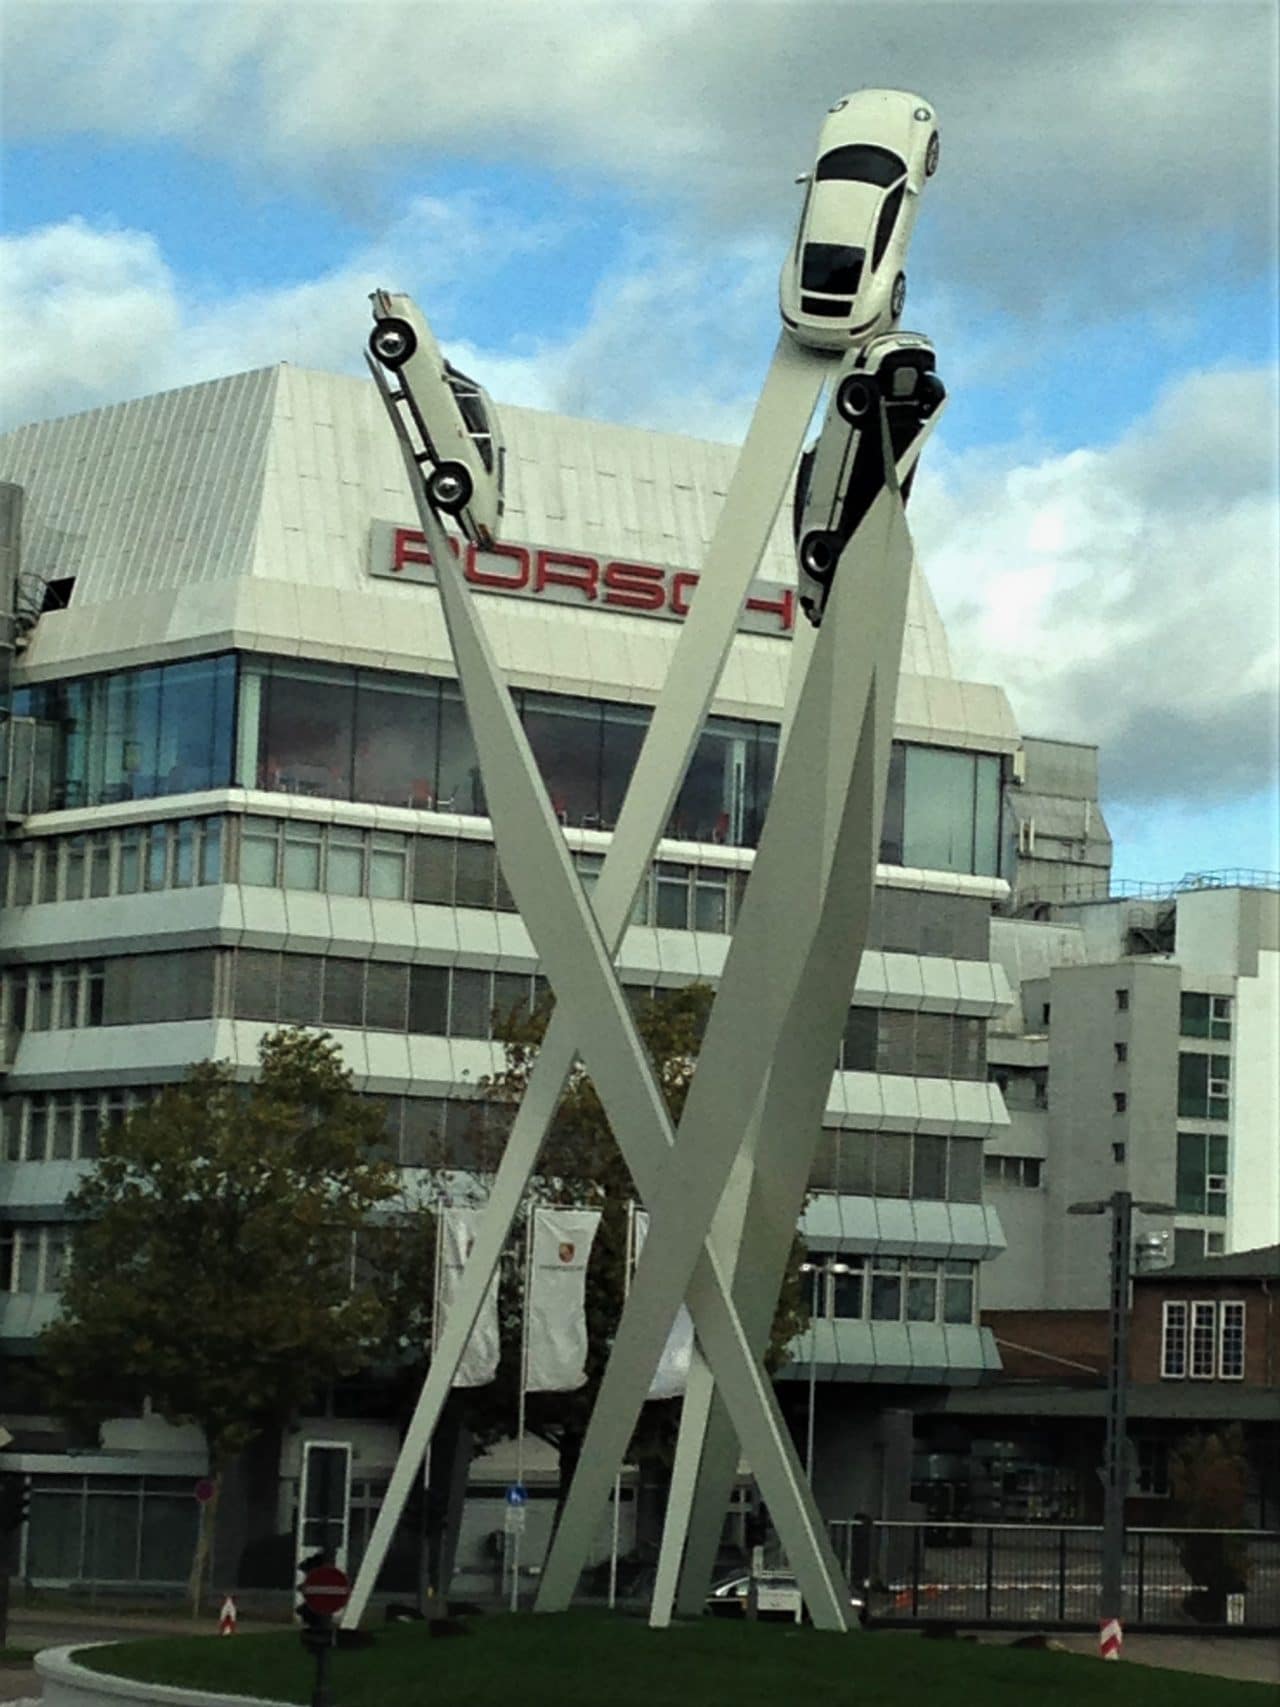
x: 325, y: 1591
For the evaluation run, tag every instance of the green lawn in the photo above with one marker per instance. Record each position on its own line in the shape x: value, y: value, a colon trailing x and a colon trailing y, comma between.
x: 16, y: 1656
x: 583, y: 1659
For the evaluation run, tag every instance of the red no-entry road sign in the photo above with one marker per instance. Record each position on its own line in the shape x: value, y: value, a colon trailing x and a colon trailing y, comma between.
x: 326, y: 1589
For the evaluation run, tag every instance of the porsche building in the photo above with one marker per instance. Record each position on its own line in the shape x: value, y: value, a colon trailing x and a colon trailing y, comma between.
x: 241, y: 790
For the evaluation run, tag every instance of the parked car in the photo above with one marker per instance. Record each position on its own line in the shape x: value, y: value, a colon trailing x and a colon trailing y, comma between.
x: 454, y: 416
x: 844, y: 279
x: 777, y: 1596
x: 840, y: 476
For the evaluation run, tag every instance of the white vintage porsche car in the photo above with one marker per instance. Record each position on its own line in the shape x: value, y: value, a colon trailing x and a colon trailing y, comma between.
x: 844, y: 279
x: 461, y: 440
x: 840, y: 477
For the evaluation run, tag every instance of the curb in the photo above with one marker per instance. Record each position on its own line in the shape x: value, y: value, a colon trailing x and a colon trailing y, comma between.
x: 67, y: 1684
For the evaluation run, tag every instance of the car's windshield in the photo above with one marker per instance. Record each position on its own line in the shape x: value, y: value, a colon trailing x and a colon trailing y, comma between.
x: 863, y: 163
x: 833, y: 267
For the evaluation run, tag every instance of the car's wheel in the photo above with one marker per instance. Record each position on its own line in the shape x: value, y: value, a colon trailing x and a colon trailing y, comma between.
x: 898, y: 300
x: 819, y: 554
x: 932, y: 149
x: 393, y: 342
x: 450, y: 486
x: 854, y: 397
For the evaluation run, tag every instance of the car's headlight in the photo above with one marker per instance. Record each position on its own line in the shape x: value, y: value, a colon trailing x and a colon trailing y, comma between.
x: 922, y: 113
x: 837, y: 105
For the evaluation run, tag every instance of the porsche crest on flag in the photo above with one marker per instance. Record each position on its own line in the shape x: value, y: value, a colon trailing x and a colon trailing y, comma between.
x: 479, y: 1362
x: 556, y: 1323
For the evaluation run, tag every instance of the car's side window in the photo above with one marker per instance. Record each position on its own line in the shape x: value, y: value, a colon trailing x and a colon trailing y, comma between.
x: 886, y: 222
x: 804, y: 210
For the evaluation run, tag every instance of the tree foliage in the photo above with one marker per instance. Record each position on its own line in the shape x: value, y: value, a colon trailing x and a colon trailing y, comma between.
x: 1209, y: 1478
x: 212, y: 1262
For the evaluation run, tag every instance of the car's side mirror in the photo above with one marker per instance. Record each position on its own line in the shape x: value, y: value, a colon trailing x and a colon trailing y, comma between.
x: 803, y: 177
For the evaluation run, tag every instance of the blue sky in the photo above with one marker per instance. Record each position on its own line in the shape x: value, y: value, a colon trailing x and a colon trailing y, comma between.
x: 591, y: 199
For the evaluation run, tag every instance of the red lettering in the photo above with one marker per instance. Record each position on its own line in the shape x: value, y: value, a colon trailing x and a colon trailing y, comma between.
x: 503, y: 583
x: 635, y: 586
x: 407, y: 546
x: 564, y: 569
x: 679, y: 581
x: 783, y: 608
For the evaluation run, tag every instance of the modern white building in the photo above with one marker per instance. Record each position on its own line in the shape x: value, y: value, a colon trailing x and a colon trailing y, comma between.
x: 1142, y: 1052
x: 240, y: 791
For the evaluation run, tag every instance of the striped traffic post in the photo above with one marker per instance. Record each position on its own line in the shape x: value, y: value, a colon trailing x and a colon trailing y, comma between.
x: 1110, y: 1639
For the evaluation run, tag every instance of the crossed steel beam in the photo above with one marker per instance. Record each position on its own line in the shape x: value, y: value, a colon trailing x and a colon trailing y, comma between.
x: 773, y: 1032
x: 755, y: 493
x: 765, y: 1063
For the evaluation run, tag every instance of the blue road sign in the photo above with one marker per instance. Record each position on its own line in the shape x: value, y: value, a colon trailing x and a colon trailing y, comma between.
x: 517, y: 1494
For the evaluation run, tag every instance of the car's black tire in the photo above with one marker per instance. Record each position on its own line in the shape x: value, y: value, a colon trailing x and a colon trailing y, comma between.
x: 819, y: 553
x: 449, y: 487
x: 898, y: 296
x: 855, y: 397
x: 932, y: 150
x: 392, y: 342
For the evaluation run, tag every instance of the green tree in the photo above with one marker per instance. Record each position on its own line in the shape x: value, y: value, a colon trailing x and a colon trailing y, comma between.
x: 582, y: 1165
x: 1208, y: 1476
x: 213, y: 1264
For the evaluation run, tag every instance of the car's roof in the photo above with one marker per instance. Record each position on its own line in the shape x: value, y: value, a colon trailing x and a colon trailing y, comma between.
x: 841, y: 211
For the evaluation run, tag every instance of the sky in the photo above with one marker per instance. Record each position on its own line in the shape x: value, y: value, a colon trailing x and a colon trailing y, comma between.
x: 591, y: 200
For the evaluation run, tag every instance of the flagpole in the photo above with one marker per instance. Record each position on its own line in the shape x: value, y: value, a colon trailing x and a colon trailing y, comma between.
x: 524, y: 1380
x: 628, y: 1259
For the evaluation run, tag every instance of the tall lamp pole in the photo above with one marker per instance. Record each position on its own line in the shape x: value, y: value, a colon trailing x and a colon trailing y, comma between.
x: 1115, y: 1460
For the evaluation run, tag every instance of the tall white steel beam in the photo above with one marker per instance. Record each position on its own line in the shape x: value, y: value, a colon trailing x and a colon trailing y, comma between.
x: 755, y: 1226
x: 821, y: 816
x: 760, y: 478
x: 580, y: 968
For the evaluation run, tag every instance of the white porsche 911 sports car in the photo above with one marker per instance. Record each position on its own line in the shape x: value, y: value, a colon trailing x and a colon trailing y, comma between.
x: 840, y: 476
x: 461, y: 440
x: 844, y: 279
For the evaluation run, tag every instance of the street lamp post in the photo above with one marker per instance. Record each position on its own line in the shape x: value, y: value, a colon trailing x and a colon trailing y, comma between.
x: 817, y: 1270
x: 1115, y: 1460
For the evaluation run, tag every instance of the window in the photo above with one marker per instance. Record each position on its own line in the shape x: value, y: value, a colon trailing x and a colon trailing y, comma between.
x: 886, y: 1289
x: 32, y: 1257
x: 959, y: 1291
x: 835, y: 268
x: 891, y: 1289
x: 1202, y: 1173
x: 1203, y: 1341
x: 1230, y: 1341
x: 1205, y: 1016
x: 1150, y: 1472
x: 860, y: 163
x: 885, y: 223
x: 1122, y: 1001
x: 1173, y: 1343
x: 1122, y: 1053
x: 1044, y: 1013
x: 1204, y: 1086
x: 1119, y: 1101
x: 1014, y: 1170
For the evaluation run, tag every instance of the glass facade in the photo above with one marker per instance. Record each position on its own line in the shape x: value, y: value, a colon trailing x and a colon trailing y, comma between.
x: 341, y: 733
x: 138, y: 734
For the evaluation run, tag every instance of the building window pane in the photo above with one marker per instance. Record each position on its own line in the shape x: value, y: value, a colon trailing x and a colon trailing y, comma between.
x: 1203, y: 1325
x: 257, y: 984
x: 433, y: 861
x: 672, y: 898
x: 343, y: 991
x: 893, y: 1164
x: 184, y: 853
x: 344, y: 862
x: 307, y: 728
x: 565, y: 736
x: 388, y: 864
x: 386, y: 995
x: 886, y: 1289
x: 1191, y: 1173
x: 847, y: 1290
x: 711, y: 901
x: 211, y: 850
x: 428, y: 1000
x: 300, y: 980
x: 471, y: 1003
x: 1231, y: 1341
x: 922, y: 1290
x: 475, y: 874
x: 395, y: 741
x: 1194, y: 1021
x: 964, y: 1184
x: 301, y: 856
x: 157, y: 836
x: 130, y: 860
x: 930, y: 1178
x: 958, y: 1292
x: 259, y: 845
x: 622, y: 735
x: 459, y: 788
x: 939, y: 810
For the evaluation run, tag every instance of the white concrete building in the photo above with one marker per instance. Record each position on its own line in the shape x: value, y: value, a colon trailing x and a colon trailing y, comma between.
x: 240, y: 791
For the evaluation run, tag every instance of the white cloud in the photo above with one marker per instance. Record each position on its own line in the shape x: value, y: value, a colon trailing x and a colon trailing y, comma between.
x: 1073, y: 134
x: 1126, y: 594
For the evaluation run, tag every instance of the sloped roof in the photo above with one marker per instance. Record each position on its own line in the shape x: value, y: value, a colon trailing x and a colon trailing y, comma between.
x: 277, y: 473
x: 1263, y: 1263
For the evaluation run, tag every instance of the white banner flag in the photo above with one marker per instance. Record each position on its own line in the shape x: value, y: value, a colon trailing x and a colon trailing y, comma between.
x: 672, y: 1374
x: 479, y: 1362
x: 555, y: 1316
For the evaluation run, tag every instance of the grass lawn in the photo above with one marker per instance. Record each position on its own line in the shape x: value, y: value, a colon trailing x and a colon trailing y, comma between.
x: 585, y: 1659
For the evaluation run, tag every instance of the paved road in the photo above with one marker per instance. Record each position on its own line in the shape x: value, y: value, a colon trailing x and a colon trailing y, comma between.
x: 47, y: 1629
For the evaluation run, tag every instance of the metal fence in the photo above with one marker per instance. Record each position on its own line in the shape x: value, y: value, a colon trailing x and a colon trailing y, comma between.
x: 1038, y: 1575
